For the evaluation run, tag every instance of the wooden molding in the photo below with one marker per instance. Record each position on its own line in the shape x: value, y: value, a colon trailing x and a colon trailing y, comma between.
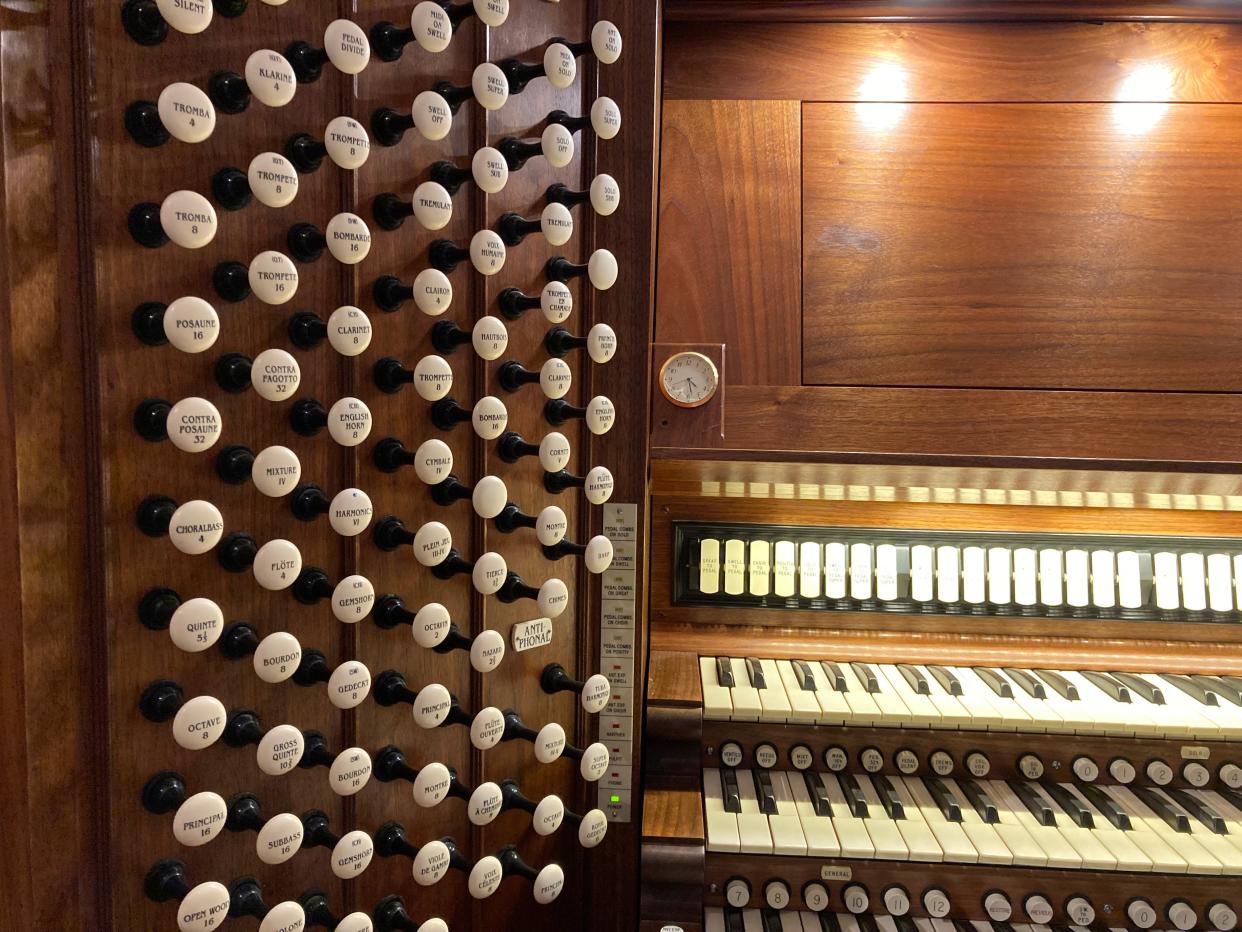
x: 852, y: 11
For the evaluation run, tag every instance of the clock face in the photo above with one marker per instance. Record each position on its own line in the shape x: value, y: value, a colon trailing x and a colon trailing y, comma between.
x: 689, y: 380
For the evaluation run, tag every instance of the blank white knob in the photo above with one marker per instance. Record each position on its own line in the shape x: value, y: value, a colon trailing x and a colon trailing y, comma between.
x: 489, y: 497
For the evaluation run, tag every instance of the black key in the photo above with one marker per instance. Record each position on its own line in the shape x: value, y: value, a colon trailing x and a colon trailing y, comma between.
x: 979, y: 799
x: 724, y: 672
x: 1064, y: 688
x: 888, y: 798
x: 1031, y: 686
x: 755, y: 673
x: 763, y: 790
x: 948, y: 681
x: 914, y: 676
x: 836, y: 678
x: 1173, y: 818
x: 905, y: 924
x: 1001, y: 926
x: 732, y: 796
x: 1079, y: 814
x: 1234, y: 796
x: 1107, y: 805
x: 854, y: 797
x: 1106, y: 684
x: 961, y: 925
x: 1191, y: 689
x: 734, y: 921
x: 771, y: 920
x: 950, y: 808
x: 1214, y: 822
x: 806, y: 679
x: 1136, y: 684
x: 1034, y: 802
x: 1218, y: 685
x: 820, y: 801
x: 866, y: 676
x: 866, y: 922
x: 828, y: 922
x: 995, y: 681
x: 1234, y: 681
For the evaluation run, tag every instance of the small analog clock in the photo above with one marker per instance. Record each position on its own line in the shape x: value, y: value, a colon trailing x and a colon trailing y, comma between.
x: 689, y: 380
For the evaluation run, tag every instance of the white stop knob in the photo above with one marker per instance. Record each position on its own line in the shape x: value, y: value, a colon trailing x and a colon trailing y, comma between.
x: 1182, y: 916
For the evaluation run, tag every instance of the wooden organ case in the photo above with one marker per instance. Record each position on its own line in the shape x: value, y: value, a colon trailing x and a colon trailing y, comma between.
x: 944, y: 577
x: 276, y: 258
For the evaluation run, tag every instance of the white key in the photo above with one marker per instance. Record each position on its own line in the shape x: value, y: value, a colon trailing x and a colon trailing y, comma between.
x: 921, y: 712
x: 948, y: 574
x: 752, y: 921
x: 917, y: 834
x: 734, y: 567
x: 1219, y: 722
x: 995, y: 844
x: 785, y: 569
x: 1133, y: 578
x: 1077, y: 578
x: 1094, y: 854
x: 760, y: 569
x: 922, y: 573
x: 1156, y: 833
x: 1168, y: 590
x: 982, y: 715
x: 1219, y: 846
x: 721, y: 825
x: 1000, y: 575
x: 1117, y: 718
x: 709, y: 566
x: 785, y: 826
x: 1194, y: 582
x: 809, y: 576
x: 1043, y: 714
x: 1051, y: 578
x: 884, y: 832
x: 950, y: 836
x: 834, y: 710
x: 790, y: 921
x: 1128, y: 855
x: 774, y: 700
x: 1152, y: 847
x: 713, y: 919
x: 863, y: 708
x: 1103, y: 579
x: 892, y: 572
x: 809, y: 920
x: 1025, y: 576
x: 745, y: 698
x: 860, y: 571
x: 974, y: 575
x: 821, y: 840
x: 851, y: 831
x: 836, y: 570
x: 1237, y: 579
x: 893, y: 712
x: 1077, y: 714
x: 752, y: 824
x: 1227, y: 810
x: 1220, y: 583
x: 717, y: 705
x: 974, y: 690
x: 803, y: 706
x: 1060, y: 853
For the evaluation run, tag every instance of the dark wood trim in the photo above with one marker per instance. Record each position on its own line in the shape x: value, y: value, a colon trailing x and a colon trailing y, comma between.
x: 853, y: 11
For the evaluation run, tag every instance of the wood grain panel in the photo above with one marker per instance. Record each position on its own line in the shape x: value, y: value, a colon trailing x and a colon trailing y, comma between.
x: 671, y: 815
x: 1207, y: 11
x: 962, y: 62
x: 729, y: 250
x: 1033, y: 246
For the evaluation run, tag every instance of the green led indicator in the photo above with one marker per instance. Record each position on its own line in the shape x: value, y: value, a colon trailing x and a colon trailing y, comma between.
x: 615, y: 798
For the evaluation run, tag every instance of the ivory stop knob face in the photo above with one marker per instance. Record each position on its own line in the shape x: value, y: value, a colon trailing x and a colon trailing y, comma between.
x: 555, y: 378
x: 553, y: 598
x: 433, y: 205
x: 349, y: 422
x: 349, y: 684
x: 349, y: 331
x: 1038, y: 909
x: 204, y: 908
x: 556, y: 302
x: 432, y: 28
x: 998, y: 907
x: 432, y: 542
x: 280, y: 750
x: 352, y: 854
x: 186, y: 16
x: 350, y: 512
x: 605, y: 117
x: 737, y: 893
x: 489, y: 497
x: 1080, y: 910
x: 352, y: 599
x: 601, y: 343
x: 273, y: 277
x: 431, y: 625
x: 200, y: 819
x: 284, y: 917
x: 1183, y: 916
x: 186, y: 112
x: 487, y: 253
x: 355, y: 922
x: 490, y: 171
x: 277, y: 565
x: 602, y: 269
x: 606, y: 42
x: 600, y: 415
x: 194, y: 425
x: 489, y: 417
x: 489, y: 573
x: 594, y: 763
x: 596, y: 692
x: 549, y: 743
x: 188, y: 218
x: 275, y: 375
x: 279, y: 839
x: 350, y: 771
x: 557, y: 144
x: 484, y: 804
x: 551, y: 526
x: 548, y: 815
x: 490, y: 86
x: 199, y: 723
x: 559, y: 65
x: 433, y: 461
x: 347, y: 46
x: 487, y: 728
x: 277, y: 657
x: 1142, y: 914
x: 487, y: 651
x: 554, y: 452
x: 592, y: 828
x: 349, y: 239
x: 433, y: 118
x: 275, y: 471
x: 431, y: 705
x: 490, y: 337
x: 196, y: 625
x: 1223, y: 917
x: 485, y: 877
x: 431, y: 785
x: 191, y: 325
x: 270, y: 78
x: 605, y: 199
x: 599, y: 553
x: 549, y: 883
x: 776, y: 894
x: 272, y: 179
x: 347, y: 142
x: 433, y: 292
x: 196, y: 527
x: 556, y: 223
x: 491, y: 13
x: 431, y: 863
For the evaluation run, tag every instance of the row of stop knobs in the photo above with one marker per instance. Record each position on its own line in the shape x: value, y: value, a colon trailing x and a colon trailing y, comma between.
x: 897, y: 900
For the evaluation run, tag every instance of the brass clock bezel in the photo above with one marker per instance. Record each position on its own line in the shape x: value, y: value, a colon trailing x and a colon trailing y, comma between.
x: 688, y: 404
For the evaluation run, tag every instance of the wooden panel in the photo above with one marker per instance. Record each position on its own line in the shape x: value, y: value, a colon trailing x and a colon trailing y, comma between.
x: 673, y: 816
x: 978, y: 62
x: 1030, y: 246
x: 1164, y: 431
x: 1208, y: 11
x: 729, y: 251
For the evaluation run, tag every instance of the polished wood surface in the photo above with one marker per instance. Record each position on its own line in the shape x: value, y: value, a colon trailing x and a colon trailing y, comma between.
x: 673, y: 816
x: 1021, y: 246
x: 767, y: 60
x: 1209, y: 11
x: 730, y: 234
